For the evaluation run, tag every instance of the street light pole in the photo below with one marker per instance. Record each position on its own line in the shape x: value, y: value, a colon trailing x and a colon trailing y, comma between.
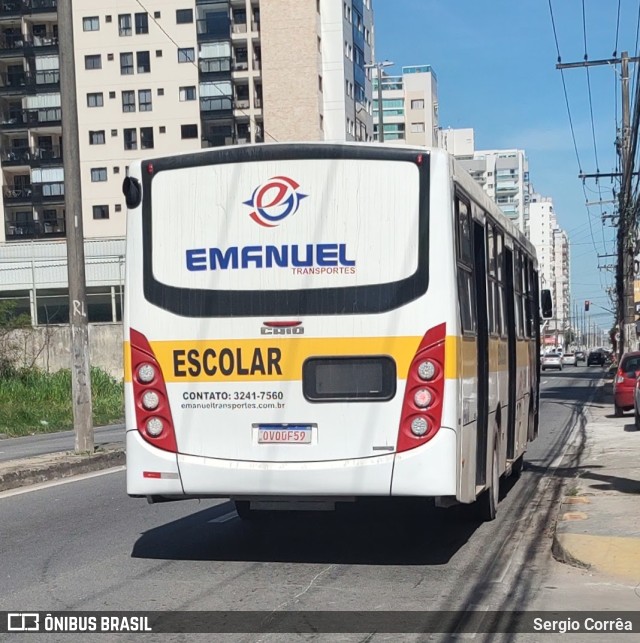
x: 379, y: 66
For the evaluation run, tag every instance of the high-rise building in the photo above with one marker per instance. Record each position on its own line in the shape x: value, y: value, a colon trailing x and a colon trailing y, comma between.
x: 163, y: 77
x: 552, y: 247
x: 409, y: 106
x: 503, y: 174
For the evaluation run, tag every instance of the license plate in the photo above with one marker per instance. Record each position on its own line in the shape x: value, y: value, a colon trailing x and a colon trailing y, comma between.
x: 284, y: 433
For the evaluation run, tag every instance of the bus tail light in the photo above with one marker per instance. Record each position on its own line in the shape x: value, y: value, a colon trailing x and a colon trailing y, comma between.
x: 422, y: 404
x: 153, y: 414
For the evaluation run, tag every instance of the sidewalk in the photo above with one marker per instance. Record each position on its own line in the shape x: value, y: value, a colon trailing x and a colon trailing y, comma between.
x: 598, y: 525
x: 53, y: 466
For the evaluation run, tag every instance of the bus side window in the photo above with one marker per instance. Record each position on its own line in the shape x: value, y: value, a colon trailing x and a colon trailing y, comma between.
x: 464, y: 265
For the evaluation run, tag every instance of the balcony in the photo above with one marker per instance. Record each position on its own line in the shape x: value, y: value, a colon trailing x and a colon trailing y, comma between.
x: 15, y: 194
x: 41, y: 6
x: 214, y: 66
x: 213, y: 106
x: 26, y: 82
x: 48, y: 192
x: 10, y: 8
x: 32, y: 156
x: 31, y: 229
x: 22, y: 119
x: 12, y: 45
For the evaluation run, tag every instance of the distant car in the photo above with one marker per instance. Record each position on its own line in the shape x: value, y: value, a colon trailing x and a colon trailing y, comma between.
x: 624, y: 384
x: 580, y: 356
x: 551, y: 360
x: 595, y: 357
x: 569, y: 359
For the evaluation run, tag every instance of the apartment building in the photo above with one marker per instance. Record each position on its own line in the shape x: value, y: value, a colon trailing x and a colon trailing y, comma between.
x: 503, y: 174
x: 552, y: 247
x: 162, y: 77
x: 409, y: 106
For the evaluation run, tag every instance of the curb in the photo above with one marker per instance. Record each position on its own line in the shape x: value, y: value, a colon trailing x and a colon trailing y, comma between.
x: 562, y: 555
x: 30, y: 471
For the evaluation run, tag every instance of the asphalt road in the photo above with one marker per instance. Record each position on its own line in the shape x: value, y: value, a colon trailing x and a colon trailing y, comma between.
x: 85, y: 545
x: 32, y: 445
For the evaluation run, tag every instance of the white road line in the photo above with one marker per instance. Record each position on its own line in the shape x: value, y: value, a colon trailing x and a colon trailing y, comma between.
x: 232, y: 515
x: 57, y: 483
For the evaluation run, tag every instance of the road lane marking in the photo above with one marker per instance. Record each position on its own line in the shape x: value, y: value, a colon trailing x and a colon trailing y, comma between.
x: 57, y: 483
x: 232, y: 515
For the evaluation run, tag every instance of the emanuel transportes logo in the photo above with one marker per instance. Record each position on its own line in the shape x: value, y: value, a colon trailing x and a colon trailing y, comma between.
x: 274, y: 201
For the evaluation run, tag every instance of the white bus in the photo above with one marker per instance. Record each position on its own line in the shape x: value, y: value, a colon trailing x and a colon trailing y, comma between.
x: 311, y: 323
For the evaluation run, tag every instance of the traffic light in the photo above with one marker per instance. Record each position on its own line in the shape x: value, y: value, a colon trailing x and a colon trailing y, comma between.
x: 586, y: 306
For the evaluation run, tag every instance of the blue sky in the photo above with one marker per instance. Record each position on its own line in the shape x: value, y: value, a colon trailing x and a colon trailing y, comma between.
x: 495, y: 64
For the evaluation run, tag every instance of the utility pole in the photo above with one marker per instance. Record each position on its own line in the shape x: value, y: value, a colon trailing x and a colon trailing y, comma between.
x: 78, y: 319
x: 379, y: 66
x: 626, y: 243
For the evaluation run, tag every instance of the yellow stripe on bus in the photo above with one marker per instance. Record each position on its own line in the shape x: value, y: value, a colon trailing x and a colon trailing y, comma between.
x: 281, y: 359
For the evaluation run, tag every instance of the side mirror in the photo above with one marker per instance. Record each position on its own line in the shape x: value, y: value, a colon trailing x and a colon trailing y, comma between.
x: 546, y: 304
x: 132, y: 192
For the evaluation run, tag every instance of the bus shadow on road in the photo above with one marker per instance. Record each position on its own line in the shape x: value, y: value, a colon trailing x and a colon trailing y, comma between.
x: 375, y: 535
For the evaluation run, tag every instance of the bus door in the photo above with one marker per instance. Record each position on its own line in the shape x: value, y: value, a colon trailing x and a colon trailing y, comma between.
x: 480, y: 272
x: 511, y: 348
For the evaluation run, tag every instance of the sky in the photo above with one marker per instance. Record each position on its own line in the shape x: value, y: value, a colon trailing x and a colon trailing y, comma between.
x: 495, y: 62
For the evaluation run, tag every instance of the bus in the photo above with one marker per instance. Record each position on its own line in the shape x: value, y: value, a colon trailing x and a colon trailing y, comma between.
x: 313, y: 323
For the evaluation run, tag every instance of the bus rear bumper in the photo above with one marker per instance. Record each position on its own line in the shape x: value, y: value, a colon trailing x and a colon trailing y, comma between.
x: 428, y: 470
x: 150, y: 471
x: 358, y: 477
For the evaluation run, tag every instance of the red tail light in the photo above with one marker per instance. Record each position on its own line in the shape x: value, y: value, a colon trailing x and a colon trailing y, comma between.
x: 422, y: 405
x: 153, y: 414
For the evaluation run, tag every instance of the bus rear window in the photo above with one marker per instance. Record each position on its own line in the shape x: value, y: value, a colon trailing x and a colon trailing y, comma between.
x: 231, y: 238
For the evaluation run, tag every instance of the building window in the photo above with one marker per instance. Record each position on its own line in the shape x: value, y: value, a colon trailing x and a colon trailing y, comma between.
x: 417, y: 127
x: 158, y: 53
x: 187, y: 93
x: 156, y: 14
x: 184, y: 16
x: 112, y: 94
x: 107, y: 19
x: 144, y: 62
x: 163, y: 129
x: 144, y: 100
x: 124, y: 24
x: 93, y: 62
x: 130, y: 139
x: 189, y: 131
x: 160, y: 91
x: 186, y: 55
x: 100, y: 211
x: 95, y: 100
x: 96, y: 138
x: 142, y: 23
x: 129, y: 101
x: 110, y: 57
x: 114, y: 132
x: 417, y: 104
x: 118, y: 207
x: 91, y: 24
x: 126, y: 63
x: 98, y: 174
x: 116, y: 169
x: 146, y: 138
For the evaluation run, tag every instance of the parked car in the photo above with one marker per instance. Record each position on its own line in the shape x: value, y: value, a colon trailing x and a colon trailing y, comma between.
x: 595, y: 357
x: 551, y: 360
x: 636, y: 403
x: 569, y: 359
x: 624, y: 384
x: 580, y: 356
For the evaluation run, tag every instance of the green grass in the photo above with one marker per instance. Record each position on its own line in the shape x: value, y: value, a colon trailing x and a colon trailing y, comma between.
x: 32, y: 401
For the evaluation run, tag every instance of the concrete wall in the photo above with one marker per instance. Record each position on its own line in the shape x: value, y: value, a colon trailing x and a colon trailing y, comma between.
x: 47, y: 347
